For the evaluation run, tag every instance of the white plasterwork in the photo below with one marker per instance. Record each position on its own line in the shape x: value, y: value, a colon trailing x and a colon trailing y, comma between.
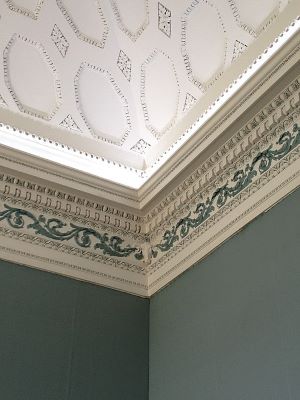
x: 154, y: 159
x: 85, y: 216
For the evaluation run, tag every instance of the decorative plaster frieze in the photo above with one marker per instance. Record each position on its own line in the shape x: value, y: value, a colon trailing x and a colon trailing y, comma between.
x: 240, y: 180
x: 46, y: 228
x: 176, y: 203
x: 40, y: 227
x: 101, y: 216
x: 58, y: 230
x: 257, y: 165
x: 254, y: 195
x: 75, y: 246
x: 214, y: 238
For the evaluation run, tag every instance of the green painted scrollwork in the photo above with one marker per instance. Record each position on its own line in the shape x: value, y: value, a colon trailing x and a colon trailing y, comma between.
x: 240, y: 180
x: 55, y: 229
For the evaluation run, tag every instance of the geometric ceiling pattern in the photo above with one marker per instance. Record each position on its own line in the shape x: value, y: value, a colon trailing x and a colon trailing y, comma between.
x: 120, y: 73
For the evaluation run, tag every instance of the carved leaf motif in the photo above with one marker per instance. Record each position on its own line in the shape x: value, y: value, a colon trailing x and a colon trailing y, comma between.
x: 55, y: 229
x: 240, y: 180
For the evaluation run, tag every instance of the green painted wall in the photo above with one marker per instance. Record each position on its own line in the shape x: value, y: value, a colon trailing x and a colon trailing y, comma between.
x: 61, y: 339
x: 229, y: 328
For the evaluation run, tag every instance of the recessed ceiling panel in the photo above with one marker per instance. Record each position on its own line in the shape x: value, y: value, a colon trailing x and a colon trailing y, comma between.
x: 203, y: 48
x: 254, y: 15
x: 87, y: 20
x: 30, y: 8
x: 159, y: 93
x: 132, y: 16
x: 31, y: 78
x: 102, y: 104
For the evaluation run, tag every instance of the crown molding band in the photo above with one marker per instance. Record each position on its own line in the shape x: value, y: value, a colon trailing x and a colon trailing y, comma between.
x: 140, y: 249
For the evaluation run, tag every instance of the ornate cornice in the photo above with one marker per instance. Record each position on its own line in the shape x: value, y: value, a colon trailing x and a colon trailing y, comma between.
x: 220, y: 235
x: 264, y: 122
x: 105, y: 215
x: 58, y: 230
x: 44, y: 227
x: 241, y: 179
x: 136, y: 249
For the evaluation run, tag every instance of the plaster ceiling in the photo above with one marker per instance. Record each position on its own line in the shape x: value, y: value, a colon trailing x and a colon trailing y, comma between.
x: 119, y: 80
